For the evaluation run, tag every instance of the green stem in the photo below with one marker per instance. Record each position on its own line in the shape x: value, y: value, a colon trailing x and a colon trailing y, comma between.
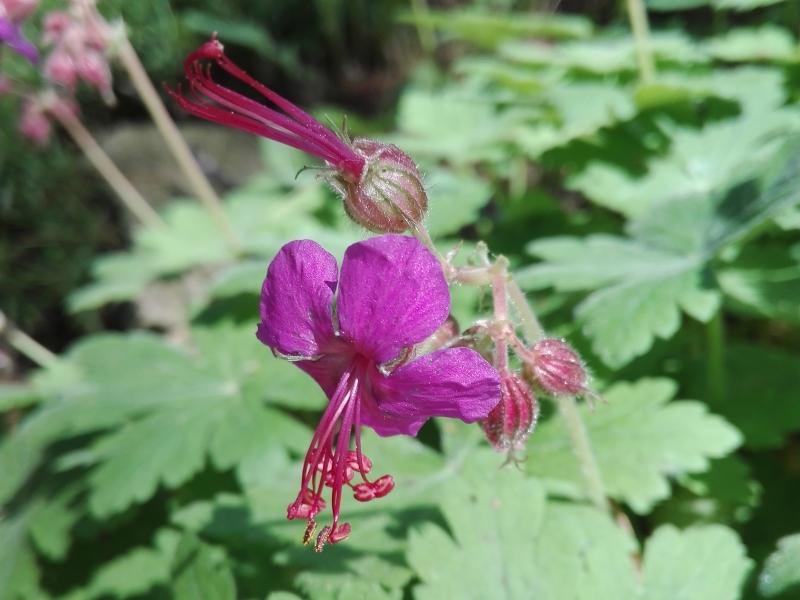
x: 26, y: 345
x: 427, y: 37
x: 637, y: 16
x: 531, y: 326
x: 582, y: 447
x: 715, y: 358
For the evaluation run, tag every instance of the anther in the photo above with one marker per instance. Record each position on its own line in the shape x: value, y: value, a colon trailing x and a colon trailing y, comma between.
x: 312, y: 525
x: 322, y: 538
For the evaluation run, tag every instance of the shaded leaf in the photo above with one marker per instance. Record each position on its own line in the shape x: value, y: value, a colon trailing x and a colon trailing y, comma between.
x: 200, y: 572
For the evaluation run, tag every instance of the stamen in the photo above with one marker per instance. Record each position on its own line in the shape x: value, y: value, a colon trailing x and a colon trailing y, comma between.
x: 322, y: 538
x: 312, y: 525
x: 329, y: 462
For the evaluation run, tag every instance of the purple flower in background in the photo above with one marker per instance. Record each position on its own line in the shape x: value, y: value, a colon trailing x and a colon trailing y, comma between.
x: 11, y: 36
x: 351, y: 332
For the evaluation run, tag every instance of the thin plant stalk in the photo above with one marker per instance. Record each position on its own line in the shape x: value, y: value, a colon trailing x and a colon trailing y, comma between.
x: 427, y: 37
x: 567, y: 408
x: 123, y: 188
x: 637, y: 16
x: 500, y: 301
x: 715, y: 367
x: 529, y: 322
x: 25, y: 344
x: 175, y: 141
x: 582, y: 448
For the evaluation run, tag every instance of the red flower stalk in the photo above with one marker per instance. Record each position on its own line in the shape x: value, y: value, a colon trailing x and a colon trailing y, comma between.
x: 380, y: 185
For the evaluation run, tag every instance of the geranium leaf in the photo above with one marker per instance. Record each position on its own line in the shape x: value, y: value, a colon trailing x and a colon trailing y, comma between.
x: 700, y: 563
x: 200, y: 572
x: 640, y: 439
x: 781, y: 571
x: 507, y: 542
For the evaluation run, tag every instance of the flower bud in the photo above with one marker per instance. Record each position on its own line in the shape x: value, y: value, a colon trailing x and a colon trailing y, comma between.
x: 34, y: 124
x: 61, y: 69
x: 55, y: 24
x: 556, y: 367
x: 510, y: 423
x: 19, y: 10
x: 93, y: 69
x: 389, y: 196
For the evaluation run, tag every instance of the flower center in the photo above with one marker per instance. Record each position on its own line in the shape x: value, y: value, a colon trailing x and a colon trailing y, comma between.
x: 330, y: 462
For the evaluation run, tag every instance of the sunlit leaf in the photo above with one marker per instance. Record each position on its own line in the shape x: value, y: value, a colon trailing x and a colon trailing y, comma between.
x: 503, y: 526
x: 490, y: 28
x: 640, y: 439
x: 701, y: 563
x: 782, y: 570
x: 765, y: 43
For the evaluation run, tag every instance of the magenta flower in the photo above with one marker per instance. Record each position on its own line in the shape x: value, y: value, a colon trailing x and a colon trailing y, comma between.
x: 352, y: 333
x: 380, y: 185
x: 12, y: 37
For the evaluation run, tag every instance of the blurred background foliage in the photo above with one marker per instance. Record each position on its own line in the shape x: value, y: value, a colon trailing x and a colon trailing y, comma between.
x: 653, y: 220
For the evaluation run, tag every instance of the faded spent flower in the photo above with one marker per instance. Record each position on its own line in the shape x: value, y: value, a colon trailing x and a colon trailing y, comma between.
x: 351, y: 332
x: 380, y: 185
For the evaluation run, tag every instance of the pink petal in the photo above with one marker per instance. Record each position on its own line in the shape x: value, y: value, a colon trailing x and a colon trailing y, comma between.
x: 455, y: 382
x: 392, y: 294
x: 296, y: 300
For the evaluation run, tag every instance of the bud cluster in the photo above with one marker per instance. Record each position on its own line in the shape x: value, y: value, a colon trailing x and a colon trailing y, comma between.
x: 550, y: 365
x: 18, y: 10
x: 80, y: 41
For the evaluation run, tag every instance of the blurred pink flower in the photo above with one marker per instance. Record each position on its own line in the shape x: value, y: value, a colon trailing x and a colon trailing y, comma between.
x: 33, y: 123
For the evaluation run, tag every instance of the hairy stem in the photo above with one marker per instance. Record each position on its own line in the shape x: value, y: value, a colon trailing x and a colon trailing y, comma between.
x: 24, y: 344
x: 176, y: 142
x: 582, y: 447
x: 128, y: 195
x: 637, y: 16
x: 529, y: 322
x: 567, y: 407
x: 499, y: 271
